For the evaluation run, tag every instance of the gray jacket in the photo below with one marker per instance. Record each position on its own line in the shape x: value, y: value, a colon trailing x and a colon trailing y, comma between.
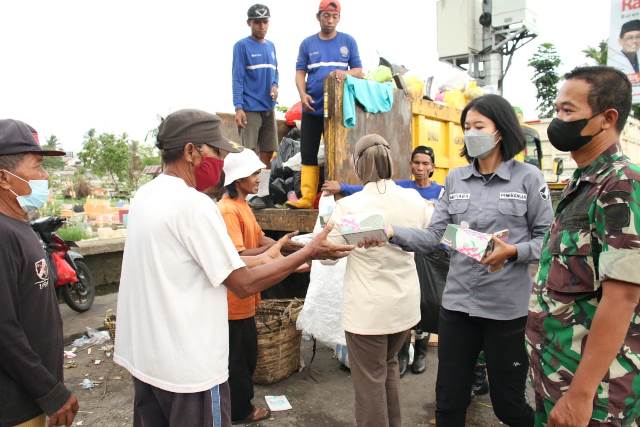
x: 516, y: 198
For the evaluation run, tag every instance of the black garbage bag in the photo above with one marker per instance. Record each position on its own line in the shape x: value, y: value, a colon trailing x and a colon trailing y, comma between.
x: 278, y: 190
x: 432, y: 273
x: 288, y: 148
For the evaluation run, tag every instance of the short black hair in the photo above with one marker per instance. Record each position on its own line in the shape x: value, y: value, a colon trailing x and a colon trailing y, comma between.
x: 423, y: 149
x: 610, y: 88
x: 174, y: 154
x: 171, y: 156
x: 231, y: 190
x: 500, y: 112
x: 11, y: 161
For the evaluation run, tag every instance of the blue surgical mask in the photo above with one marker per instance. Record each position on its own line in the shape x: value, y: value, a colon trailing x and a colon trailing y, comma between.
x: 39, y: 193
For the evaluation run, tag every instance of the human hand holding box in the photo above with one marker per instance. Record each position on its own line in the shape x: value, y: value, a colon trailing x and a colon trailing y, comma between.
x: 356, y: 228
x: 472, y: 243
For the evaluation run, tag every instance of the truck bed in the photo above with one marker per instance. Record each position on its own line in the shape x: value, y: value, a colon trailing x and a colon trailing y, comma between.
x: 302, y: 220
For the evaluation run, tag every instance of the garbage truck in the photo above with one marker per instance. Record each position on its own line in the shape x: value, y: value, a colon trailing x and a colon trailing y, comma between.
x: 411, y: 122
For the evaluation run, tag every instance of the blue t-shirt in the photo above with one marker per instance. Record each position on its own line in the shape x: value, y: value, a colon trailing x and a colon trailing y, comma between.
x: 431, y: 192
x: 254, y: 71
x: 320, y: 57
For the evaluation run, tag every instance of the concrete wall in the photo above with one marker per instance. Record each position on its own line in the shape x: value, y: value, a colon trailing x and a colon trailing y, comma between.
x: 104, y: 259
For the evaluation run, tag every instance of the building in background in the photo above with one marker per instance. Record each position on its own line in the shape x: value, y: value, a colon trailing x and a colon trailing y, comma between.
x: 629, y: 139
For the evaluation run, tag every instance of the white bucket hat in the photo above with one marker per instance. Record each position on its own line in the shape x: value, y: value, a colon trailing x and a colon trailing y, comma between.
x: 241, y: 165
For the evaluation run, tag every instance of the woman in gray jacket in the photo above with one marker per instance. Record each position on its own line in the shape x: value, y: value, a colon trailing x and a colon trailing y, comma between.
x: 483, y: 310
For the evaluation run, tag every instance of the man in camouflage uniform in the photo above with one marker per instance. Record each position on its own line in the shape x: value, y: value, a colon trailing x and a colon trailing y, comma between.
x: 583, y: 331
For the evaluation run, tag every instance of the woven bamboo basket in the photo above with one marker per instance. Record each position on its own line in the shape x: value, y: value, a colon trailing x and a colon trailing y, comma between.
x: 278, y: 340
x: 110, y: 324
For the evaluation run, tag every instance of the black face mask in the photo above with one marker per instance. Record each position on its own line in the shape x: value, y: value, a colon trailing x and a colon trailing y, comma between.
x: 565, y: 136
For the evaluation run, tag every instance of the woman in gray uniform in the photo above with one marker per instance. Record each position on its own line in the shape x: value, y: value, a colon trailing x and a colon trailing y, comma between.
x: 483, y: 310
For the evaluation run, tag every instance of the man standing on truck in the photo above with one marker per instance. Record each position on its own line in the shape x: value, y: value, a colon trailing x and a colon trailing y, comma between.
x: 319, y: 55
x: 255, y: 86
x: 582, y: 332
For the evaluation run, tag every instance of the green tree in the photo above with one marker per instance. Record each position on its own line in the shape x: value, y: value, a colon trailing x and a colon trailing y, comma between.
x: 106, y: 155
x: 140, y: 156
x: 598, y: 54
x: 545, y: 64
x: 52, y: 163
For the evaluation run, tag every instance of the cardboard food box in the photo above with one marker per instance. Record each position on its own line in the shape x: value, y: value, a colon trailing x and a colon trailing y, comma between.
x: 471, y: 243
x: 354, y: 229
x: 359, y: 227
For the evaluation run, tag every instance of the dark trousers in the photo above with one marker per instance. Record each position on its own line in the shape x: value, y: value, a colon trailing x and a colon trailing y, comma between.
x: 243, y: 356
x: 154, y: 407
x: 311, y: 130
x: 460, y: 339
x: 375, y: 375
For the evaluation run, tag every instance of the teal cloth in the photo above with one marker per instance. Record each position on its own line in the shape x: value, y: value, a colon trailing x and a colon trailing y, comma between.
x: 375, y: 98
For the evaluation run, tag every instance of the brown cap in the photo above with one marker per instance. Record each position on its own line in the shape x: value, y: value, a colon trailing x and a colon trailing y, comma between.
x: 195, y: 126
x: 329, y: 6
x: 17, y: 137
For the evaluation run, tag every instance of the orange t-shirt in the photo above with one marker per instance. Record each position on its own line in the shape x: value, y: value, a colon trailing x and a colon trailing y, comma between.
x: 245, y: 233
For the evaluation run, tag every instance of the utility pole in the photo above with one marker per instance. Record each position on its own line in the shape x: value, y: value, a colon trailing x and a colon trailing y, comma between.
x: 495, y: 29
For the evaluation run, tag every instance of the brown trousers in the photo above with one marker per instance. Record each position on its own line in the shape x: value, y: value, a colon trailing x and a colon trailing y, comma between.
x: 38, y: 421
x: 374, y: 370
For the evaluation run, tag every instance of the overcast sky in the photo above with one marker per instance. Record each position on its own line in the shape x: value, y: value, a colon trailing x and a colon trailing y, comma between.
x: 117, y: 65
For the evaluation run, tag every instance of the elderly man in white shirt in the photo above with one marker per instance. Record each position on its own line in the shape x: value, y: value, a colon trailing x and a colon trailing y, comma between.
x: 381, y: 288
x: 178, y: 265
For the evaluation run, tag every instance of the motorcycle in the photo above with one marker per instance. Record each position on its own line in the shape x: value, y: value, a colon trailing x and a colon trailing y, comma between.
x: 72, y: 278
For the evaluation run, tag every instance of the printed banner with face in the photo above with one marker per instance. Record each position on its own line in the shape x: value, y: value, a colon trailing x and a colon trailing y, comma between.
x: 624, y: 41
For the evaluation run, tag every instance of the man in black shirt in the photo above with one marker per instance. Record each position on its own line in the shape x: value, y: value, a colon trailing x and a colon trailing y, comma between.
x: 31, y: 347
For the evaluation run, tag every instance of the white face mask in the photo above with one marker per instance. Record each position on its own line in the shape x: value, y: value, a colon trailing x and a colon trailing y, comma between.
x: 479, y: 143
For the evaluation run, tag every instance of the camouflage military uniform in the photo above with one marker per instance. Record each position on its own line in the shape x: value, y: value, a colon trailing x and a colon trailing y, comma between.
x: 594, y: 237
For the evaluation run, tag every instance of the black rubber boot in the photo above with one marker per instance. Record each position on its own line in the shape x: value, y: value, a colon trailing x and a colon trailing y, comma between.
x: 403, y: 357
x: 480, y: 384
x: 420, y: 355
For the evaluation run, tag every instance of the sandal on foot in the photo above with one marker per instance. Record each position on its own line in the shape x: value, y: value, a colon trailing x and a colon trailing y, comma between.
x: 258, y: 414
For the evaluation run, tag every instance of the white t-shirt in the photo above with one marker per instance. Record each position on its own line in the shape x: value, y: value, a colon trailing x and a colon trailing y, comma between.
x: 172, y: 329
x: 381, y: 287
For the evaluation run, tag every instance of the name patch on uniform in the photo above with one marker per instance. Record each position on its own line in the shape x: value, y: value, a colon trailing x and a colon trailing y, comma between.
x: 459, y: 196
x: 512, y: 195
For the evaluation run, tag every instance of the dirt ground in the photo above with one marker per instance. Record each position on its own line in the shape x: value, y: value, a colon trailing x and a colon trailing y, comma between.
x: 324, y: 398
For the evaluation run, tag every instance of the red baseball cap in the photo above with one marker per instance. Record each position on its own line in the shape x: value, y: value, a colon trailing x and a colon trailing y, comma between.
x: 329, y: 6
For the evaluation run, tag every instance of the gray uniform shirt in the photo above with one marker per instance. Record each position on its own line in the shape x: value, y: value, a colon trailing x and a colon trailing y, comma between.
x: 516, y: 198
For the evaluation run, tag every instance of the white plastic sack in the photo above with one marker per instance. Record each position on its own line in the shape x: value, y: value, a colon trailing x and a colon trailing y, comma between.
x: 321, y: 315
x: 295, y: 162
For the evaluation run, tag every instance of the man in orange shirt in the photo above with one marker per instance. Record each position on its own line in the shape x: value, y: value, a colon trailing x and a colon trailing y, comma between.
x: 242, y: 177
